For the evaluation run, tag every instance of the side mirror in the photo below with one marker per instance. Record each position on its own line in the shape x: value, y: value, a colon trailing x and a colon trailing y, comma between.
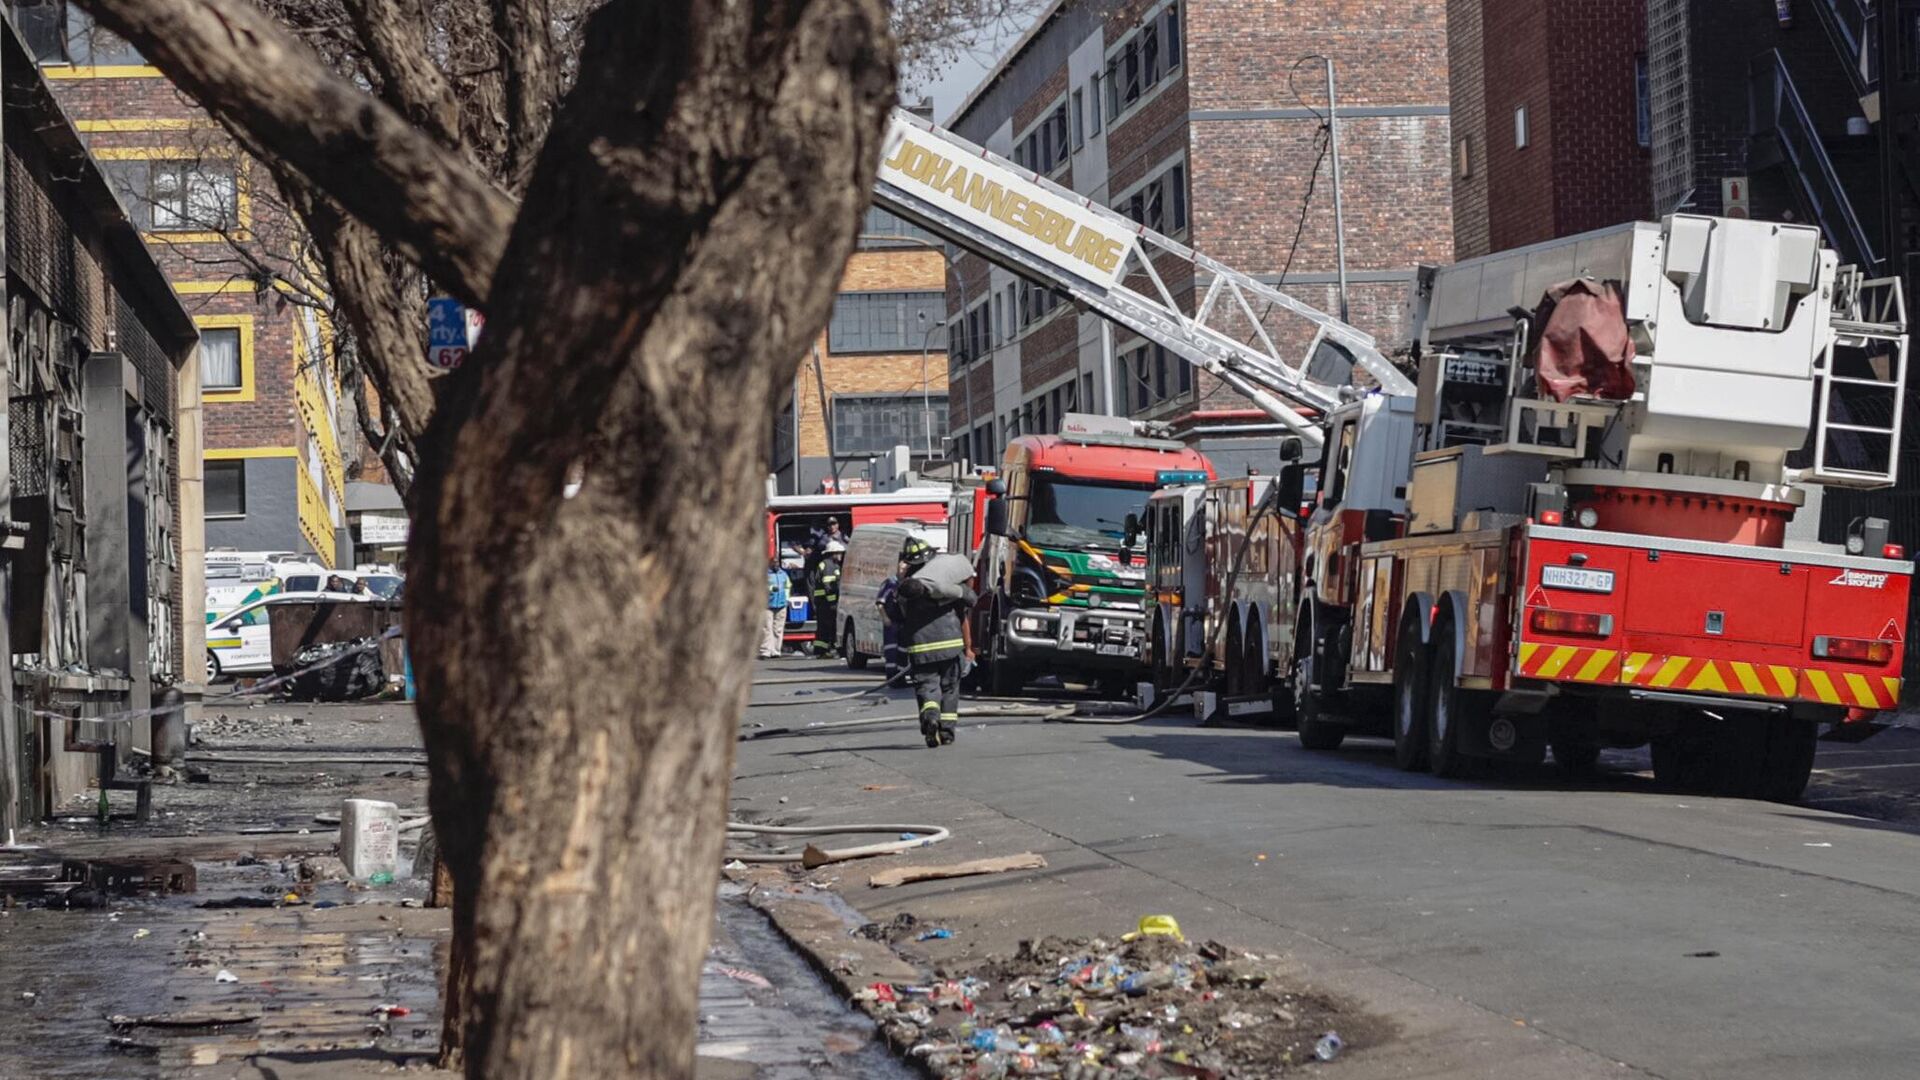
x: 1290, y: 449
x: 996, y: 486
x: 1133, y: 530
x: 997, y: 524
x: 1291, y: 483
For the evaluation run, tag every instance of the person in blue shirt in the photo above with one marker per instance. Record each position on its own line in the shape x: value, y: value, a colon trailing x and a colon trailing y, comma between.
x: 778, y: 586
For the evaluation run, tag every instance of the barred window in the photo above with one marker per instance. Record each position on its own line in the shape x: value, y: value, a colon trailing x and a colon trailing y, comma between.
x: 875, y: 424
x: 887, y: 322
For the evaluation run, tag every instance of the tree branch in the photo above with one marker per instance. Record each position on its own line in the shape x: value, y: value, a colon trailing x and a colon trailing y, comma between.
x: 525, y: 30
x: 253, y: 75
x: 393, y: 32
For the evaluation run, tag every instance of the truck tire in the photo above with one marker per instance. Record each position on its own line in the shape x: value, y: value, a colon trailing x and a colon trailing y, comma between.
x: 1788, y: 759
x: 1683, y: 762
x: 1317, y: 732
x: 1254, y: 681
x: 856, y: 659
x: 1453, y: 711
x: 1004, y: 679
x: 1412, y: 711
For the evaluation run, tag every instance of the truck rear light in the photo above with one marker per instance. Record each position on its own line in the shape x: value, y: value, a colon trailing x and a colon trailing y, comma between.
x: 1550, y: 517
x: 1859, y: 650
x: 1582, y: 623
x: 1893, y: 551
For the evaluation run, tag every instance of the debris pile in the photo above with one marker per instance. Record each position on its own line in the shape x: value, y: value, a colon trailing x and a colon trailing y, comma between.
x: 1088, y: 1009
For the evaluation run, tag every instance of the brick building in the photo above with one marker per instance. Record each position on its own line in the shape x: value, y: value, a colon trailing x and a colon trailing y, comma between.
x: 1552, y: 119
x: 99, y: 489
x: 275, y: 424
x: 1181, y: 115
x: 885, y: 361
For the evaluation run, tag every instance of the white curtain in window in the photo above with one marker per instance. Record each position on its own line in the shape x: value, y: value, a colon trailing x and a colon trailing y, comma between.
x: 220, y: 359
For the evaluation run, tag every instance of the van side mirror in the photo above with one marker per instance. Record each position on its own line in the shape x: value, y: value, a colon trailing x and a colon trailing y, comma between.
x: 1132, y: 530
x: 997, y: 524
x: 996, y: 487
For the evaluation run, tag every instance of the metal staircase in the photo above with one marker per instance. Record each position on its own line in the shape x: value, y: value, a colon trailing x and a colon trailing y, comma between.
x: 1779, y: 122
x: 1014, y: 218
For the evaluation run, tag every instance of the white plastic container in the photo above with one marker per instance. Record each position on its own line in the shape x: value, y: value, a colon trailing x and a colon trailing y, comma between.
x: 369, y: 838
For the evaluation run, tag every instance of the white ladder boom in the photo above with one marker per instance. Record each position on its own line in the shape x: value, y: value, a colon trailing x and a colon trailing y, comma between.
x: 1021, y: 221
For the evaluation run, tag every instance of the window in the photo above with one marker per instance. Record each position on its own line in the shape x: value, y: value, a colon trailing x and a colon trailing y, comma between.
x: 1130, y: 72
x: 1177, y: 182
x: 875, y: 424
x: 1095, y: 96
x: 1173, y: 36
x: 1642, y: 102
x: 1079, y: 120
x: 1149, y: 55
x: 887, y: 322
x: 220, y: 359
x: 881, y: 229
x: 59, y: 33
x: 1520, y: 133
x: 225, y: 485
x: 1113, y: 88
x: 192, y: 196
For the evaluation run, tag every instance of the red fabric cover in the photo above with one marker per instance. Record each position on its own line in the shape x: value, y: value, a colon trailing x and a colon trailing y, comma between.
x: 1583, y: 348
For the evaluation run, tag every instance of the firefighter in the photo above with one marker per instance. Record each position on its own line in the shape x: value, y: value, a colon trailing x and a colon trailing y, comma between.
x: 826, y: 598
x: 931, y: 611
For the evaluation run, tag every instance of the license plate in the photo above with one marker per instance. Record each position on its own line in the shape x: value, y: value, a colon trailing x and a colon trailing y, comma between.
x: 1577, y: 578
x: 1115, y: 650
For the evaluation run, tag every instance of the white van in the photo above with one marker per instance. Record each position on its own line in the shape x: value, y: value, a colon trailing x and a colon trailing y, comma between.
x: 873, y: 556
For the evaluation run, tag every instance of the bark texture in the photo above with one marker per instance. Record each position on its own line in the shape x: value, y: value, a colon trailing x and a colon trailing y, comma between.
x: 581, y: 675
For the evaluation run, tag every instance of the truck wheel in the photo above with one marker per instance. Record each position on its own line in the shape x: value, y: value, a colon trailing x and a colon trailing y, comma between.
x: 1253, y: 667
x: 1230, y: 656
x: 1453, y: 711
x: 1411, y: 697
x: 1004, y: 679
x: 1683, y: 763
x: 1789, y: 759
x: 1162, y: 645
x: 1576, y: 757
x: 856, y: 659
x: 1316, y: 731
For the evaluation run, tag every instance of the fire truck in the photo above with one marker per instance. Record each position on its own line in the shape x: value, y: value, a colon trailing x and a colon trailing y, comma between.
x: 1597, y: 539
x: 1062, y: 579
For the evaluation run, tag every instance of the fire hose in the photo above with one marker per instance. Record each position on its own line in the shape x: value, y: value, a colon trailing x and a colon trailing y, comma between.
x: 910, y: 837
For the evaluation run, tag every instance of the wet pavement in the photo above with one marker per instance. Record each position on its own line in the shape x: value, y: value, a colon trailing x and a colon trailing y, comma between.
x: 340, y: 982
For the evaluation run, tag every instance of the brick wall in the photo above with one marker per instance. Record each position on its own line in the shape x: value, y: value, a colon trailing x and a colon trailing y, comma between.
x: 1601, y: 173
x: 877, y: 270
x: 1519, y: 179
x: 1466, y: 73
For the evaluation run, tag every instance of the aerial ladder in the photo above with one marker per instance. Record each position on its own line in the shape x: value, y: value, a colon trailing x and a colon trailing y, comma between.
x: 1117, y: 269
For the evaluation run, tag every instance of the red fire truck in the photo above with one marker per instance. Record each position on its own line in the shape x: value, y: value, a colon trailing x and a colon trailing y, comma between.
x: 793, y: 519
x: 1599, y: 537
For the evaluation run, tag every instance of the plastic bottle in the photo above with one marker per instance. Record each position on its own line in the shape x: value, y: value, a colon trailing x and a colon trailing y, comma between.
x: 1328, y: 1047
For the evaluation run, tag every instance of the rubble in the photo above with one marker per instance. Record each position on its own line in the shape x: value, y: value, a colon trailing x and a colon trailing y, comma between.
x: 1092, y: 1009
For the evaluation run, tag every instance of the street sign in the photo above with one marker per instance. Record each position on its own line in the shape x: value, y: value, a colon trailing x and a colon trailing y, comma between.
x: 383, y: 530
x: 452, y: 331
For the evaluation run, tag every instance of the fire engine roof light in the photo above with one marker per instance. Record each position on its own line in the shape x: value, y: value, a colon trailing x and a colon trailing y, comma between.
x: 1893, y: 551
x: 1549, y: 517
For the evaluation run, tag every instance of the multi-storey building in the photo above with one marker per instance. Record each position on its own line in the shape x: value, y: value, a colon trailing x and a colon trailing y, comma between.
x: 99, y: 488
x: 1204, y: 120
x: 275, y: 426
x: 884, y: 359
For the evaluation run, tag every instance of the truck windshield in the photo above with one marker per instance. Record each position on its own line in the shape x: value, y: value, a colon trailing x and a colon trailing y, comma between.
x: 1070, y: 514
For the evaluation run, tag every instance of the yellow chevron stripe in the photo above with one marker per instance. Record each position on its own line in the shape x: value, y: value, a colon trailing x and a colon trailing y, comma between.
x: 1862, y: 691
x: 1749, y: 679
x: 1631, y: 667
x: 1893, y: 690
x: 1527, y: 649
x: 1709, y: 679
x: 1822, y: 686
x: 1562, y: 656
x: 1598, y: 663
x: 1670, y: 671
x: 1788, y: 679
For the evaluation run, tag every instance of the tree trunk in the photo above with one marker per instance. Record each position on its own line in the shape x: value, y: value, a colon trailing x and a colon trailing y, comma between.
x: 580, y: 660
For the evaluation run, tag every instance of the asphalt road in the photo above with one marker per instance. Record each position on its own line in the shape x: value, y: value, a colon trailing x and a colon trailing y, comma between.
x: 1520, y: 926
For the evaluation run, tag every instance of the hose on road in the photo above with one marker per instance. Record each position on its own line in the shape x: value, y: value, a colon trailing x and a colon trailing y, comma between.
x: 922, y: 835
x: 1044, y: 712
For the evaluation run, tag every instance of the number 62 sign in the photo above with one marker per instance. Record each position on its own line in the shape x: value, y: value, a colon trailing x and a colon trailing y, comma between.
x: 452, y: 331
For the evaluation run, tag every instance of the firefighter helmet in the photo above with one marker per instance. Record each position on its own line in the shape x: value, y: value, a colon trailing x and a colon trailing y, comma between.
x: 916, y: 553
x: 834, y: 547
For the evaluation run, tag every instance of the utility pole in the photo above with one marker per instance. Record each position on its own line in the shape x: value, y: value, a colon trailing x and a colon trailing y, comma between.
x: 1339, y: 211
